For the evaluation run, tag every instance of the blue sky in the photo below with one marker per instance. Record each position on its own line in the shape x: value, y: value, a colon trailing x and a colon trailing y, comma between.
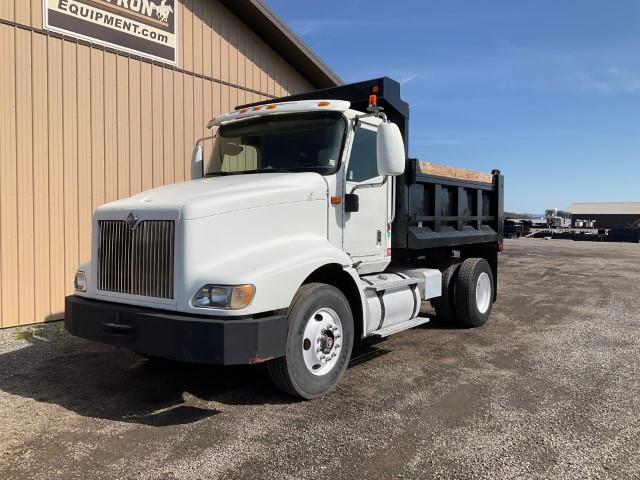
x: 546, y: 91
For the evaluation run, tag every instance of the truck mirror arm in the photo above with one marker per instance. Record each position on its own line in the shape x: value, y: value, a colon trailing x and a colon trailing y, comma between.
x: 370, y: 185
x: 197, y: 157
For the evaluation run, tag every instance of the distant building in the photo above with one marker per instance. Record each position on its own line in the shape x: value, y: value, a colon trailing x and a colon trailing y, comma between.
x: 606, y: 215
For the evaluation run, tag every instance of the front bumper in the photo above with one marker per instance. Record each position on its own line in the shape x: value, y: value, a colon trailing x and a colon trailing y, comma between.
x: 182, y: 337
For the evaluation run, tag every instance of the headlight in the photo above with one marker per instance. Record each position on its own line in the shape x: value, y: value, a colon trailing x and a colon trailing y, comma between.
x: 232, y: 297
x: 80, y: 282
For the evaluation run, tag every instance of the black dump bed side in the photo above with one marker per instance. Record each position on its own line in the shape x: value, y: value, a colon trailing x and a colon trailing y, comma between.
x: 438, y: 206
x: 435, y: 206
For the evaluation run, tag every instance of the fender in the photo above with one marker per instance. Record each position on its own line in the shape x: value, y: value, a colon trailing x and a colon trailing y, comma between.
x: 363, y: 300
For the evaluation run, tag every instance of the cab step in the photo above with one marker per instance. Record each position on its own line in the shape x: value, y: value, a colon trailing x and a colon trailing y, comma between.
x: 399, y: 327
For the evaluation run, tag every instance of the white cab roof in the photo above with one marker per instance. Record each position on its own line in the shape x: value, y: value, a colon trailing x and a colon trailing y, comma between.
x: 283, y: 107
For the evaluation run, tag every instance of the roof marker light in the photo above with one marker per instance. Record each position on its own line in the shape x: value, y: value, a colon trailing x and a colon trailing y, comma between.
x: 255, y: 109
x: 272, y: 106
x: 324, y: 104
x: 244, y: 110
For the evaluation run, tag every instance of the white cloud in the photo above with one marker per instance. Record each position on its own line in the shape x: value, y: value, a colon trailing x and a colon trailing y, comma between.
x: 407, y: 78
x: 305, y: 27
x: 613, y: 80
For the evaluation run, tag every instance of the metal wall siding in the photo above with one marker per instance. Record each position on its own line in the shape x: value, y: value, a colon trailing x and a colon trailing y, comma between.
x: 135, y: 127
x: 82, y: 126
x: 70, y: 158
x: 8, y: 177
x: 41, y: 177
x: 57, y: 278
x: 24, y: 155
x: 123, y: 116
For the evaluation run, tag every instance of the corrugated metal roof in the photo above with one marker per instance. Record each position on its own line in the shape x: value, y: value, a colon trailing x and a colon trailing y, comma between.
x: 609, y: 208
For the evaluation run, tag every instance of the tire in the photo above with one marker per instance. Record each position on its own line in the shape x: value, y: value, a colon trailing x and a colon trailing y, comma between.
x: 474, y: 292
x: 315, y: 359
x: 444, y: 305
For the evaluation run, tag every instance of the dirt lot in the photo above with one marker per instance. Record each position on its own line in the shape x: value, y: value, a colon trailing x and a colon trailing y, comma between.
x: 550, y: 388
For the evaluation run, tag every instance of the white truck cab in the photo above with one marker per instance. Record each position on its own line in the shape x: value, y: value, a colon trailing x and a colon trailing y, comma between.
x: 282, y: 252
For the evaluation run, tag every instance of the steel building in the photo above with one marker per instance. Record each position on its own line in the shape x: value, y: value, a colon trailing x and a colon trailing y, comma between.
x: 104, y: 98
x: 606, y: 215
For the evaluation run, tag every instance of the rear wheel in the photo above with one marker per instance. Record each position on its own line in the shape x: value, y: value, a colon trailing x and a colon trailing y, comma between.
x: 444, y: 305
x: 319, y: 342
x: 474, y: 292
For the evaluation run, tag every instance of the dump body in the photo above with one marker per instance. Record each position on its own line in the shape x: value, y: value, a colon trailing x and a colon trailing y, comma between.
x: 439, y: 206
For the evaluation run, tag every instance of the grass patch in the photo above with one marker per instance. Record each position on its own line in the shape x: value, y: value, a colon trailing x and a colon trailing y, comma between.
x: 25, y: 333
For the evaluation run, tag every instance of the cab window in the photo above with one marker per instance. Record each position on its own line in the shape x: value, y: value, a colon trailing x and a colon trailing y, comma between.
x: 363, y: 164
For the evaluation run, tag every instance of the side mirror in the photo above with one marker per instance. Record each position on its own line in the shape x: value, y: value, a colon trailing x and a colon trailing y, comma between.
x: 197, y: 161
x: 390, y: 149
x: 351, y: 202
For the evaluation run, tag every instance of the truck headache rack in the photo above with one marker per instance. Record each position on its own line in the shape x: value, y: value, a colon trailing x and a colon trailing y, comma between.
x: 396, y: 109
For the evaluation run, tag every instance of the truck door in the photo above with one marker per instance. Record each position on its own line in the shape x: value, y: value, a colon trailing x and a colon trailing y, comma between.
x: 365, y: 231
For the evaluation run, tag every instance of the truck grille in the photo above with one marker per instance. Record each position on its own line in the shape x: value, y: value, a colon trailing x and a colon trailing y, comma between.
x: 136, y: 261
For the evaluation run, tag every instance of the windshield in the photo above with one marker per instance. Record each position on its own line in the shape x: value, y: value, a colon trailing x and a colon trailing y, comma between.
x: 308, y: 142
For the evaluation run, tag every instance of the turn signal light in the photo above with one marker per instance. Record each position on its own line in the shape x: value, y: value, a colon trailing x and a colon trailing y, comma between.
x: 230, y: 297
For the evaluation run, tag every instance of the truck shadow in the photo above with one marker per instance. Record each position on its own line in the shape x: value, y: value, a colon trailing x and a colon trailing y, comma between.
x: 104, y: 382
x: 100, y: 381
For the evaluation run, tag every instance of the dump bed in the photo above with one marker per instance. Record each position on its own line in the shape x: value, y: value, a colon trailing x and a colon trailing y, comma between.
x: 441, y: 206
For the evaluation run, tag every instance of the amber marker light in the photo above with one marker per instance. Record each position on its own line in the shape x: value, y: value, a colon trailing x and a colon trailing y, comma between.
x: 373, y: 100
x: 336, y: 200
x: 244, y: 110
x: 324, y: 104
x: 272, y: 106
x: 241, y: 296
x: 258, y: 108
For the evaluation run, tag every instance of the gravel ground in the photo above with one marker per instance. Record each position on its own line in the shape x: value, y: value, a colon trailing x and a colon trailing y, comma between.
x: 549, y: 388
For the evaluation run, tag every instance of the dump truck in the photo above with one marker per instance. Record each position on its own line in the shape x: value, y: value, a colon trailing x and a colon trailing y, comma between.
x: 309, y: 231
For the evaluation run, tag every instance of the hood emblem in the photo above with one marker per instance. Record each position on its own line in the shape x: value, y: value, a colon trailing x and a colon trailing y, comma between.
x: 132, y: 220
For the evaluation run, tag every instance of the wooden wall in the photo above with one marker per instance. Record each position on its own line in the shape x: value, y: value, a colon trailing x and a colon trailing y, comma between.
x: 81, y: 125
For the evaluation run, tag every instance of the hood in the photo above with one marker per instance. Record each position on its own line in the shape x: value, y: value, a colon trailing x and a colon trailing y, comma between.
x: 217, y: 195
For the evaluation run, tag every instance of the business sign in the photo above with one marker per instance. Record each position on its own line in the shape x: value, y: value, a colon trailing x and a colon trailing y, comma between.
x: 143, y: 27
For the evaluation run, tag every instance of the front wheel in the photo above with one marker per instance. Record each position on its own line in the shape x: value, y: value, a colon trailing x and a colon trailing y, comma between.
x: 319, y: 342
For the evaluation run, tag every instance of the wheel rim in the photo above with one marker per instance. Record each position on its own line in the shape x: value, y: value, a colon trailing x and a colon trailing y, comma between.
x: 322, y: 341
x: 483, y: 292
